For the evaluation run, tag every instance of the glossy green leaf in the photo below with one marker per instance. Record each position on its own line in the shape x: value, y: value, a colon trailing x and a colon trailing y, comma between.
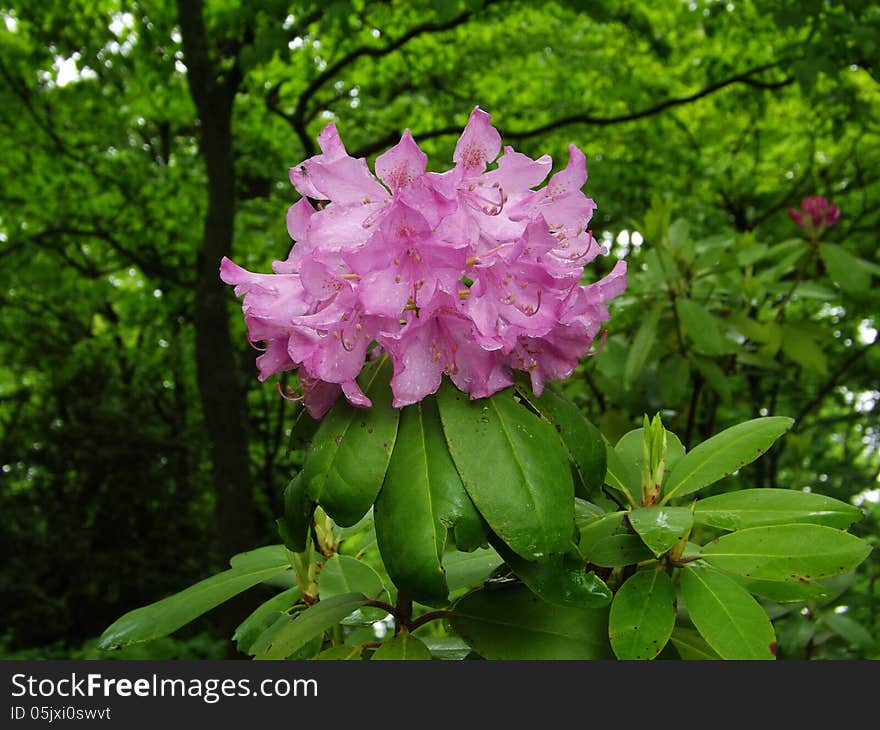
x: 848, y: 271
x: 563, y: 580
x: 294, y: 632
x: 691, y: 646
x: 629, y: 449
x: 582, y: 440
x: 642, y: 345
x: 344, y: 574
x: 609, y: 542
x: 727, y: 617
x: 346, y: 465
x: 470, y: 570
x: 446, y: 647
x: 295, y: 526
x: 661, y: 527
x: 760, y: 507
x: 783, y: 592
x: 787, y: 552
x: 341, y: 653
x: 722, y: 454
x: 514, y: 468
x: 513, y: 623
x: 422, y: 499
x: 262, y: 617
x: 404, y: 646
x: 642, y: 615
x: 622, y: 475
x: 166, y: 616
x: 700, y: 326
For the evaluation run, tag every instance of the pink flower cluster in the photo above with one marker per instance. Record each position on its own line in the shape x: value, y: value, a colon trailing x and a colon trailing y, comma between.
x: 472, y: 272
x: 815, y: 215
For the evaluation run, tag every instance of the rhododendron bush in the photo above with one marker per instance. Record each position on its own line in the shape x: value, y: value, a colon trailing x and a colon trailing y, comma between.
x: 474, y: 272
x: 495, y: 505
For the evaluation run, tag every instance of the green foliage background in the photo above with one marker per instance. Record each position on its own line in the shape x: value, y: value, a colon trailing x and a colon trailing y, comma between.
x: 128, y: 469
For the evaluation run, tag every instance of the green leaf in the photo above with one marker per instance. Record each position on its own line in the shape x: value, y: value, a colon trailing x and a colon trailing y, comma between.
x: 470, y: 570
x: 344, y: 574
x: 401, y: 647
x: 727, y: 617
x: 166, y: 616
x: 783, y: 592
x: 674, y: 379
x: 609, y: 542
x: 294, y: 632
x: 629, y: 449
x: 848, y: 629
x: 513, y: 623
x: 701, y: 326
x: 446, y: 647
x: 422, y: 498
x: 563, y: 580
x: 295, y: 526
x: 581, y: 439
x: 798, y: 345
x: 261, y: 618
x: 345, y: 467
x: 513, y: 467
x: 723, y: 454
x: 691, y: 646
x: 643, y: 344
x: 848, y: 271
x: 642, y: 615
x: 786, y: 552
x: 661, y: 527
x: 760, y: 507
x: 340, y: 653
x: 622, y: 476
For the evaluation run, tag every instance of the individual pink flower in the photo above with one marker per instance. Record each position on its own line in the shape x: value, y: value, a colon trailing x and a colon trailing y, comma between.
x: 815, y: 215
x: 471, y: 273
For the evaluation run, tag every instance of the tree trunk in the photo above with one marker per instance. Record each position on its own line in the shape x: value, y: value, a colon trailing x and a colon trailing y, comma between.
x: 222, y: 393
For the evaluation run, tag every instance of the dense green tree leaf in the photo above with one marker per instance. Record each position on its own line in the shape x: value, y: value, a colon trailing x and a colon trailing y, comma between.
x: 421, y: 500
x: 513, y: 623
x: 661, y: 527
x: 700, y: 326
x: 786, y: 552
x: 563, y: 580
x: 622, y: 476
x: 760, y: 507
x: 404, y: 646
x: 642, y: 615
x: 291, y: 633
x: 642, y: 345
x: 848, y: 629
x: 629, y: 449
x: 783, y: 592
x: 848, y: 271
x: 350, y: 451
x: 340, y: 653
x: 722, y: 454
x: 727, y: 617
x: 169, y: 614
x: 514, y: 468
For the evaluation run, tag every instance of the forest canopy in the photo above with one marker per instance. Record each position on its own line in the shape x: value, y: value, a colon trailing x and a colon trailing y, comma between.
x: 145, y: 141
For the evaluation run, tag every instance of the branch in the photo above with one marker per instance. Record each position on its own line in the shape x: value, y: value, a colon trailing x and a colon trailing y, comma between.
x: 832, y: 382
x: 297, y: 119
x: 589, y: 119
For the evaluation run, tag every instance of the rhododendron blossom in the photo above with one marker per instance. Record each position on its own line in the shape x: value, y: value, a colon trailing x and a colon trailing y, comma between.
x: 472, y: 273
x: 815, y: 215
